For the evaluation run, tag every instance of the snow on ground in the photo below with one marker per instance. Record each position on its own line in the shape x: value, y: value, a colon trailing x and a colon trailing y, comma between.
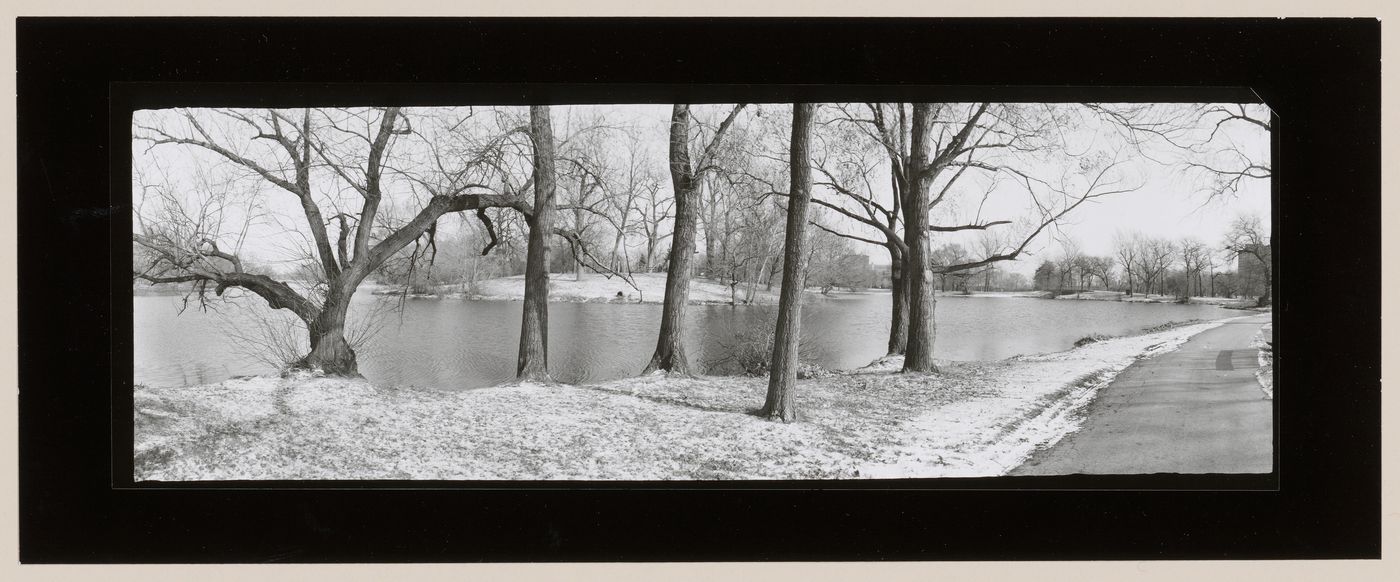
x: 970, y: 418
x: 1264, y: 343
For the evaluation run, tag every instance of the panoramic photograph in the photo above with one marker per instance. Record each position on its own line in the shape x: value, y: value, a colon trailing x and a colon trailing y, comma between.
x: 702, y: 292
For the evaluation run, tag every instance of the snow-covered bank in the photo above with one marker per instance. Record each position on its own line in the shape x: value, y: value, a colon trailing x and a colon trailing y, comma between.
x: 595, y: 288
x: 1030, y: 294
x: 1102, y: 295
x: 1264, y: 342
x: 971, y: 418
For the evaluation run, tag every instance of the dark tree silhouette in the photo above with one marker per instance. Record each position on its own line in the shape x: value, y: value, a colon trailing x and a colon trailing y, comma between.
x: 781, y: 403
x: 685, y: 182
x: 533, y: 359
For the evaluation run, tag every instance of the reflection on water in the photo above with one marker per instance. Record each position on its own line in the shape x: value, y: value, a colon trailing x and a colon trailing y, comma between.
x: 454, y: 344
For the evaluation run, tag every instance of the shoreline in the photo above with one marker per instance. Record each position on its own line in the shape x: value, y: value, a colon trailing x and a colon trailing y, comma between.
x: 595, y: 288
x: 1113, y: 296
x: 863, y: 423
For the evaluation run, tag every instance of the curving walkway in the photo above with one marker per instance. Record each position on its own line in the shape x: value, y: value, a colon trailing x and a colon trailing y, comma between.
x: 1198, y: 409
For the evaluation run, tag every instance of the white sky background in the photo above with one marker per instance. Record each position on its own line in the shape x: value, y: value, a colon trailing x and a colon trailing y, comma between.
x: 1170, y: 203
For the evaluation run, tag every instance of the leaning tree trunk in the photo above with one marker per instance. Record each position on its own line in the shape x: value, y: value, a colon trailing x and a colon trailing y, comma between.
x: 899, y: 304
x: 534, y: 322
x: 670, y: 347
x: 330, y: 352
x: 782, y: 376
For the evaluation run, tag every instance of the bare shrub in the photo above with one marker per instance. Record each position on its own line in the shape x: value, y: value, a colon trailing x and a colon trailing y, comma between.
x: 1091, y: 338
x: 749, y: 352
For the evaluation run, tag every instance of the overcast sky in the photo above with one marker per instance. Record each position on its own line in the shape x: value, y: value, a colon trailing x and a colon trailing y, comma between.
x: 1170, y: 202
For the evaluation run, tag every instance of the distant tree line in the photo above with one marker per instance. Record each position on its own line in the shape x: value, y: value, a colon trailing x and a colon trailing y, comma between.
x: 1183, y: 268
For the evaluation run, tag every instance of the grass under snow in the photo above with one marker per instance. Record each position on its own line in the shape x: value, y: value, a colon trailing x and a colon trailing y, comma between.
x: 969, y: 419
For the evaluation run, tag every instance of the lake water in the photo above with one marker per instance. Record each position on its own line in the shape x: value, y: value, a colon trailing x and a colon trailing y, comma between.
x: 456, y: 344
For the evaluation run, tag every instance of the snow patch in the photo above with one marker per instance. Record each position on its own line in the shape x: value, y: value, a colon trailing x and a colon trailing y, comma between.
x: 1263, y: 341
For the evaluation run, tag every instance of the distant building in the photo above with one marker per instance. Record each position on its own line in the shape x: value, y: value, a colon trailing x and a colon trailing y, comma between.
x: 1253, y: 273
x: 855, y: 270
x: 880, y: 276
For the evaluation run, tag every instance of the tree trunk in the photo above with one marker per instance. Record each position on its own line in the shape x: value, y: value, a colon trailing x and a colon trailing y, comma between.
x: 534, y: 322
x: 617, y: 263
x: 710, y: 242
x: 899, y: 304
x: 651, y: 252
x: 782, y: 376
x: 330, y: 352
x: 918, y: 353
x: 1267, y: 297
x: 670, y: 347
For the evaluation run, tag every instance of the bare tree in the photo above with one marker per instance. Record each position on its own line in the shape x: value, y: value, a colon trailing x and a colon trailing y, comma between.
x: 1071, y: 263
x: 532, y: 362
x: 848, y: 163
x: 722, y: 193
x: 1155, y: 256
x: 988, y: 243
x: 656, y: 207
x: 1101, y: 267
x: 947, y: 254
x: 781, y: 403
x: 752, y: 244
x: 323, y: 158
x: 637, y: 182
x: 1221, y: 157
x: 831, y: 262
x: 685, y: 175
x: 1248, y: 238
x: 1220, y: 143
x: 929, y: 148
x: 1125, y: 251
x: 1193, y: 258
x: 296, y: 148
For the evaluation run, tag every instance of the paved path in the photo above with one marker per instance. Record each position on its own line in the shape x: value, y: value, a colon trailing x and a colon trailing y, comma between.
x: 1198, y: 409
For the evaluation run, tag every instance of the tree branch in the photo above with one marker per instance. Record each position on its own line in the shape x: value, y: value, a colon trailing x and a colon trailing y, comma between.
x: 984, y: 226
